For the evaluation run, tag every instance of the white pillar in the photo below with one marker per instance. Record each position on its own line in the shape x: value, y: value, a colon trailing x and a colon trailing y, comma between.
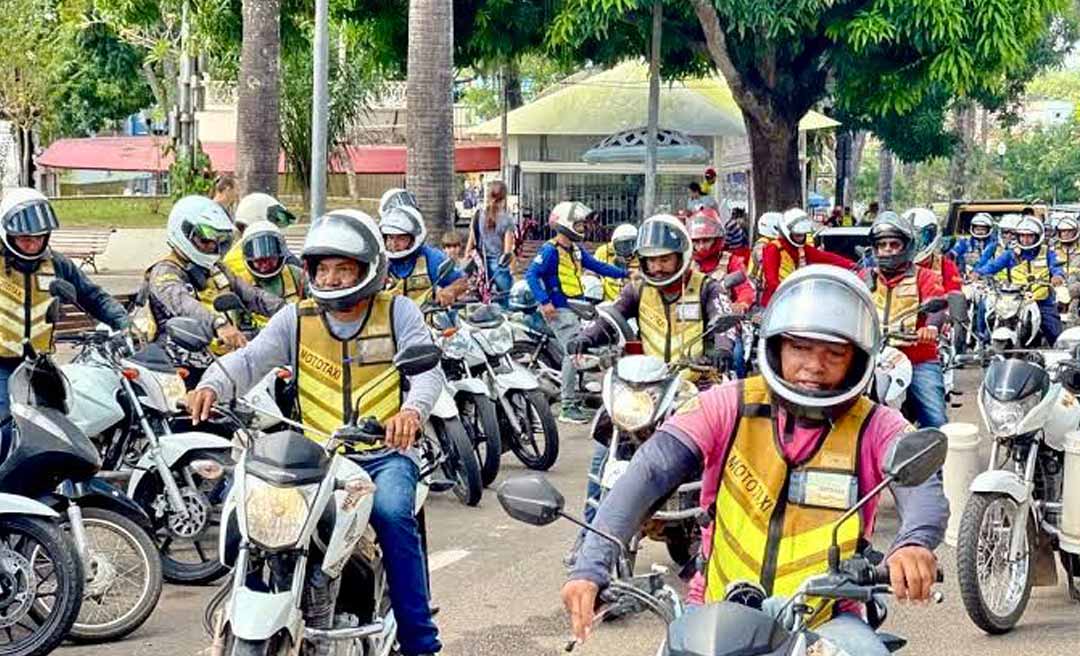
x: 1070, y: 496
x: 961, y: 467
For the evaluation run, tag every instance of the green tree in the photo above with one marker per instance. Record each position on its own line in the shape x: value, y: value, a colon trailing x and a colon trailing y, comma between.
x: 1044, y: 163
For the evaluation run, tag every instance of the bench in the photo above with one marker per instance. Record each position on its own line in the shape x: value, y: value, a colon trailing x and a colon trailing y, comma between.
x: 73, y: 320
x: 295, y: 241
x: 83, y: 246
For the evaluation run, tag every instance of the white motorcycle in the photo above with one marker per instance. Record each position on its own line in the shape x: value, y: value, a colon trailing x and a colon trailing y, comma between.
x: 893, y: 369
x: 1013, y: 318
x: 298, y: 534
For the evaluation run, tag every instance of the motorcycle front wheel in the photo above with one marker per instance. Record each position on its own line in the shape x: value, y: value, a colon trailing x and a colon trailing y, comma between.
x: 460, y: 465
x: 279, y: 645
x: 537, y: 447
x: 478, y: 417
x: 46, y: 580
x: 994, y: 588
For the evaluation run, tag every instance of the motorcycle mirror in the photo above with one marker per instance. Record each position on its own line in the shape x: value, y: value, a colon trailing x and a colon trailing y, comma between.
x: 227, y: 302
x: 531, y: 499
x: 64, y: 290
x: 916, y: 456
x: 957, y: 308
x: 933, y: 305
x: 734, y: 279
x: 187, y: 333
x: 416, y: 359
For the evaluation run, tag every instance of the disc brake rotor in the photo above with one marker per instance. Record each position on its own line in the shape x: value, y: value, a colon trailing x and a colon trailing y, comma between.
x: 197, y: 518
x: 17, y: 583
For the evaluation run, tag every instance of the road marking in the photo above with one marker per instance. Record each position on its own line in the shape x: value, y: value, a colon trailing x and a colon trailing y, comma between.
x: 441, y: 559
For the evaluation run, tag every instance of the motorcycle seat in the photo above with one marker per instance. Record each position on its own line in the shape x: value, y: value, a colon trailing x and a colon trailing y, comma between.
x: 287, y: 458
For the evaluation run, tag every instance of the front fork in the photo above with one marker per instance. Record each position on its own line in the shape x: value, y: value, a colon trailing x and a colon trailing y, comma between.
x: 1020, y: 517
x: 172, y: 490
x: 75, y: 520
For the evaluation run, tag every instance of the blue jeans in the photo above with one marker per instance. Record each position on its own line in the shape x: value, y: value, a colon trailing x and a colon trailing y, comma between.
x: 853, y: 635
x: 981, y: 328
x: 395, y: 477
x: 593, y: 489
x: 926, y: 396
x: 5, y: 402
x: 501, y: 276
x: 738, y: 354
x: 1051, y: 319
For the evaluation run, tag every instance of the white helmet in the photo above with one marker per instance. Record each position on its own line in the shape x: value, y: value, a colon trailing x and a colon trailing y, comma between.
x: 927, y: 231
x: 1007, y: 226
x: 199, y: 218
x: 796, y: 224
x: 768, y: 224
x: 262, y: 240
x: 824, y: 303
x: 397, y: 197
x: 351, y: 234
x: 25, y: 212
x: 404, y: 220
x: 623, y: 239
x: 981, y: 220
x: 1029, y: 225
x: 262, y: 207
x: 1068, y: 223
x: 659, y: 235
x: 564, y: 215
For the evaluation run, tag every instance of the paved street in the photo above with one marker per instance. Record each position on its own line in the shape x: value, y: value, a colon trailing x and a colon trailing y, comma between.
x: 497, y: 582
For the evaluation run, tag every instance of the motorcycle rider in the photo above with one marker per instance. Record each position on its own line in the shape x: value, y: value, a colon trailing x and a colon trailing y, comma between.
x: 968, y: 252
x: 927, y: 240
x: 414, y: 265
x: 708, y: 236
x: 618, y: 252
x: 186, y: 282
x: 347, y: 311
x: 790, y: 251
x: 1067, y: 253
x: 265, y: 254
x: 768, y: 229
x: 29, y: 265
x: 252, y: 209
x: 555, y: 276
x: 896, y: 284
x: 819, y: 339
x: 1031, y: 263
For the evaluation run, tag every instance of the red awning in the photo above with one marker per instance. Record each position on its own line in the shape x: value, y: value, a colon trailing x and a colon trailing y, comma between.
x: 147, y: 154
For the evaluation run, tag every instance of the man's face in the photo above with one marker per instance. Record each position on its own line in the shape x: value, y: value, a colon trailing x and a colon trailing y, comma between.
x: 266, y: 265
x: 336, y: 273
x: 31, y: 245
x: 398, y: 243
x: 1066, y: 235
x: 814, y: 365
x: 711, y: 177
x: 980, y: 232
x: 208, y: 246
x: 703, y: 245
x: 660, y: 266
x: 888, y: 246
x: 1027, y: 238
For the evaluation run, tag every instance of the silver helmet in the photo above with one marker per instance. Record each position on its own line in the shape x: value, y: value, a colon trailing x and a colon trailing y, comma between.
x: 1029, y: 225
x: 796, y: 225
x: 889, y: 225
x: 350, y: 234
x: 985, y: 224
x: 927, y: 231
x: 404, y: 220
x: 824, y: 303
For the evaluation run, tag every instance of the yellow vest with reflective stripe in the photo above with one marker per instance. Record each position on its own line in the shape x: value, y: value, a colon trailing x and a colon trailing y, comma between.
x: 216, y: 284
x: 665, y: 328
x: 759, y: 533
x: 23, y: 294
x: 333, y: 374
x: 1004, y: 274
x: 613, y: 286
x: 416, y: 285
x: 1032, y: 272
x: 569, y: 271
x: 1068, y: 258
x: 234, y: 259
x: 787, y: 264
x: 291, y: 286
x: 901, y: 298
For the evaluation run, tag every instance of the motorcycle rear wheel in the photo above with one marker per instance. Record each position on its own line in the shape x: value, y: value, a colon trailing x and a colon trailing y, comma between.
x: 480, y: 421
x: 461, y: 465
x: 534, y: 415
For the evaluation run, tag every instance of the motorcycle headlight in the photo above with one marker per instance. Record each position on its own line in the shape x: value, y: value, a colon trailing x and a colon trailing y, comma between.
x: 498, y: 341
x: 1003, y: 417
x: 1006, y: 307
x: 632, y: 409
x: 172, y: 388
x: 276, y: 515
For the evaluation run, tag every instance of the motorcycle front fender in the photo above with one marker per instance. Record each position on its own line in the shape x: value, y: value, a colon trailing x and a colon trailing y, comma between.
x: 999, y: 481
x: 260, y: 615
x: 469, y: 386
x: 14, y: 504
x: 174, y: 447
x: 96, y: 493
x: 445, y: 408
x: 517, y: 379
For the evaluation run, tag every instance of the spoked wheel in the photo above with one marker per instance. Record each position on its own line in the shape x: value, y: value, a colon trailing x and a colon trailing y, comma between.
x: 478, y: 417
x: 538, y: 444
x: 545, y: 363
x: 41, y: 586
x: 460, y: 465
x: 994, y: 587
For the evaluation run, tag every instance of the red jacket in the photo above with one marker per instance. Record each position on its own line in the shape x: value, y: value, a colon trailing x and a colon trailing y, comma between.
x: 770, y: 263
x: 741, y: 293
x: 947, y: 269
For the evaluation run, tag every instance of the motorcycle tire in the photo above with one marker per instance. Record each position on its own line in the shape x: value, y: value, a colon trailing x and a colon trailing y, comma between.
x: 968, y: 548
x: 279, y: 645
x: 551, y: 355
x: 480, y: 421
x: 137, y: 541
x: 537, y: 414
x: 461, y: 465
x: 41, y: 536
x: 683, y: 544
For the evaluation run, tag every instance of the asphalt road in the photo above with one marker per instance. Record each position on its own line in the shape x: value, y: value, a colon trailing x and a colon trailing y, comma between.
x: 497, y: 583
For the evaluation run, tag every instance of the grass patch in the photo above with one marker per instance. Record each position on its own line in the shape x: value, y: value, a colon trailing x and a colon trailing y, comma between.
x: 126, y: 212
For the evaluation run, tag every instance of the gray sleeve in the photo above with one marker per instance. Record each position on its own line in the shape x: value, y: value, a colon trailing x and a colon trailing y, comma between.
x: 274, y: 346
x: 924, y: 514
x: 168, y: 286
x: 410, y: 330
x: 255, y: 298
x: 660, y: 465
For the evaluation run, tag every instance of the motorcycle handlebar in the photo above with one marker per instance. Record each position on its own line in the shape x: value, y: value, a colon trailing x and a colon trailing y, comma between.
x: 880, y: 576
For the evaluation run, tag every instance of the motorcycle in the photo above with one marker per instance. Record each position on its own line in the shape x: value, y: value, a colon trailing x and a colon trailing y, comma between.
x: 1011, y: 525
x: 742, y: 623
x: 127, y: 399
x: 297, y: 534
x: 51, y: 459
x: 1013, y: 318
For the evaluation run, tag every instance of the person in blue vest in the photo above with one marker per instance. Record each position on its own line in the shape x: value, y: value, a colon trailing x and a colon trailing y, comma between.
x: 1031, y: 263
x: 414, y: 264
x: 554, y: 276
x: 968, y: 252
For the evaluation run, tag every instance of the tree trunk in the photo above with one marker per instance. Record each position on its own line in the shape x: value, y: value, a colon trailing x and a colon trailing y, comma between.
x: 886, y: 173
x: 430, y: 111
x: 959, y: 164
x: 258, y: 144
x: 858, y: 147
x: 504, y: 133
x: 24, y: 148
x: 774, y: 154
x: 654, y: 109
x: 513, y: 85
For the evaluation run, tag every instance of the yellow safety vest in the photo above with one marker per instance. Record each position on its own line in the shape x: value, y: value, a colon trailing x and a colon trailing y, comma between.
x: 892, y: 301
x: 1033, y: 272
x: 416, y: 285
x: 1069, y: 258
x: 1003, y: 275
x: 787, y: 264
x: 569, y: 271
x: 291, y: 285
x: 664, y: 335
x: 234, y: 259
x: 332, y: 374
x: 216, y: 284
x: 613, y: 286
x: 761, y: 533
x: 24, y: 304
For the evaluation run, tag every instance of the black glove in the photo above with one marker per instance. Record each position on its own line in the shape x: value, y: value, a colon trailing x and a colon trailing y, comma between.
x: 577, y: 346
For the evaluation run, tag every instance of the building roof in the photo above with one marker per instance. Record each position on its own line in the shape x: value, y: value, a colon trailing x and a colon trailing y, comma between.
x: 148, y: 154
x: 617, y: 99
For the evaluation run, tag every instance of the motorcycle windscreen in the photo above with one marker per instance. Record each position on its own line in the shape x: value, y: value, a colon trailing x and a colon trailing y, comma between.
x: 726, y: 628
x: 1012, y: 379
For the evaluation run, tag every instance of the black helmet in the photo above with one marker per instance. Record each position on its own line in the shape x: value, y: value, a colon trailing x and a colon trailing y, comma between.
x: 890, y: 225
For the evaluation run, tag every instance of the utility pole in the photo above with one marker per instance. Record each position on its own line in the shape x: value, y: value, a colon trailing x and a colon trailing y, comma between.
x: 184, y: 116
x: 320, y: 102
x: 654, y: 109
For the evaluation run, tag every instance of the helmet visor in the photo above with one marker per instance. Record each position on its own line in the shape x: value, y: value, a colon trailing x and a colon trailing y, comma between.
x: 30, y: 219
x: 264, y: 245
x: 659, y: 238
x: 280, y: 216
x: 624, y: 247
x: 208, y: 239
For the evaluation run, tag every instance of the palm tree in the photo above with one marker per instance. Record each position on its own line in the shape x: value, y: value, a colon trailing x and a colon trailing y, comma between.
x: 257, y: 109
x: 429, y: 118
